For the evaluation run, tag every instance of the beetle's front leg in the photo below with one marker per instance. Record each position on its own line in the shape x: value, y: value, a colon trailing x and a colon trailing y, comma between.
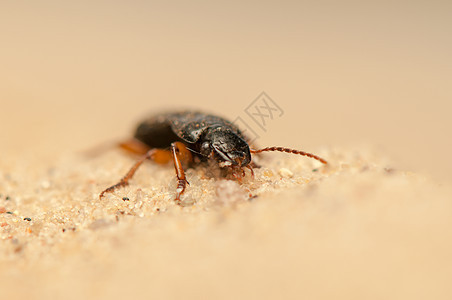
x: 178, y: 149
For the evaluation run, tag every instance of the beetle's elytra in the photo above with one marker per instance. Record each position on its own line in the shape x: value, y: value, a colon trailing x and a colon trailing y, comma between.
x: 189, y: 137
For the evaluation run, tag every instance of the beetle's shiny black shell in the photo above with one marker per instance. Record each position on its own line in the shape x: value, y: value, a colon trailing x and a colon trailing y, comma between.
x: 161, y: 130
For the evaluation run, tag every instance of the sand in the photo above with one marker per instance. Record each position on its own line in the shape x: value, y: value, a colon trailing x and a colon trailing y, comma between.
x: 356, y: 229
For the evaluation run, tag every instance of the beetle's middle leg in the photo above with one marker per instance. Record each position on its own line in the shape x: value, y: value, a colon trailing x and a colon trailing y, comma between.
x: 125, y: 180
x: 157, y: 155
x: 179, y: 152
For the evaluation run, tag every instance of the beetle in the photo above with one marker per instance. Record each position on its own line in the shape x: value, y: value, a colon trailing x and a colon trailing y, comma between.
x: 189, y: 137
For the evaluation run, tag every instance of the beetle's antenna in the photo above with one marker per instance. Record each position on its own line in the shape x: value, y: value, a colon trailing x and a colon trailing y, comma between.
x: 288, y: 150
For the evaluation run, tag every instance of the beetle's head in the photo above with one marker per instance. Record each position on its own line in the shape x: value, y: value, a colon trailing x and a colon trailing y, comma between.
x: 226, y: 147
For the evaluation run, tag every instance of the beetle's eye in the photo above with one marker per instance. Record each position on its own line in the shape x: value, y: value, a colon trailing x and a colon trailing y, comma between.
x: 205, y: 146
x: 205, y: 149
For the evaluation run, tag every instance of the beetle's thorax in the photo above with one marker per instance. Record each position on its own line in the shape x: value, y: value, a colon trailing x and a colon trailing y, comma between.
x: 225, y: 146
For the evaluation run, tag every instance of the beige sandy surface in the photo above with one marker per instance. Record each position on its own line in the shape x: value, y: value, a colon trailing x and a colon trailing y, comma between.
x: 357, y: 229
x: 365, y: 85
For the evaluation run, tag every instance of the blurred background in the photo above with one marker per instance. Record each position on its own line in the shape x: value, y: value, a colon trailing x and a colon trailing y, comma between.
x: 345, y: 73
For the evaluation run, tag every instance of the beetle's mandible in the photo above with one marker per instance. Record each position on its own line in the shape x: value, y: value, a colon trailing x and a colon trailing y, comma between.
x: 188, y: 137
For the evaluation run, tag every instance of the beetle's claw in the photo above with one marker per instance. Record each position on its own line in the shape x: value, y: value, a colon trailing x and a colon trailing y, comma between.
x: 181, y: 184
x: 110, y: 189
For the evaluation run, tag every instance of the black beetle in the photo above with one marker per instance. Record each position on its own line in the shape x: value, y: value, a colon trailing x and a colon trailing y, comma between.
x: 190, y: 136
